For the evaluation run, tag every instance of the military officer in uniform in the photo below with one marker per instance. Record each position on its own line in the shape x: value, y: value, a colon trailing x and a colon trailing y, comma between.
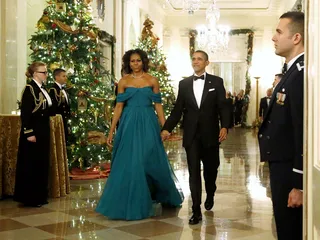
x: 32, y: 170
x: 281, y: 132
x: 60, y: 98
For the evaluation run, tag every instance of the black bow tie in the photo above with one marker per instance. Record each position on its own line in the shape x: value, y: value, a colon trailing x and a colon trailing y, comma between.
x: 284, y: 68
x: 195, y: 78
x: 42, y: 87
x: 63, y: 87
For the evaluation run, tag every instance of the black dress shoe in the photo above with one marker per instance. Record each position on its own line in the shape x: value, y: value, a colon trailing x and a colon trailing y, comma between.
x: 209, y: 203
x: 32, y: 205
x: 195, y: 219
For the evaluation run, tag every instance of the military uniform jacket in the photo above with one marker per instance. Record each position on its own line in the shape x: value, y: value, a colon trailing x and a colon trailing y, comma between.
x: 32, y: 169
x: 61, y: 105
x: 35, y: 110
x: 281, y: 133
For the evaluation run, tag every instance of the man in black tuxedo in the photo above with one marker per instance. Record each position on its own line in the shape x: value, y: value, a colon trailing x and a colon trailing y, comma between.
x: 60, y: 98
x: 202, y: 101
x: 277, y: 79
x: 264, y: 104
x: 281, y: 132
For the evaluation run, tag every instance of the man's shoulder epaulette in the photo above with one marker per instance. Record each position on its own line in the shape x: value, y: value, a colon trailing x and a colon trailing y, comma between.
x: 300, y: 65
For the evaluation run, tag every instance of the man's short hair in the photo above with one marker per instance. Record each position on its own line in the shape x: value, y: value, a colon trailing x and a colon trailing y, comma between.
x: 296, y: 24
x: 206, y: 57
x: 279, y: 75
x: 57, y: 71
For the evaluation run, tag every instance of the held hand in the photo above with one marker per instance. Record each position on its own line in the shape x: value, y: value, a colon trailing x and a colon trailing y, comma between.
x: 165, y: 135
x: 32, y: 139
x: 110, y: 139
x: 223, y: 134
x: 295, y: 198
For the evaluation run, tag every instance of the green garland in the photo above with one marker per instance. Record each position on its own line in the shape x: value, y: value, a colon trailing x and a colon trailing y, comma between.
x: 250, y: 33
x: 192, y: 41
x: 247, y: 91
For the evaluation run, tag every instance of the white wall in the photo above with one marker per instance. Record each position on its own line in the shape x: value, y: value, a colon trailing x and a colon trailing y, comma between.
x: 13, y: 52
x: 106, y: 24
x: 135, y: 13
x: 265, y: 64
x: 2, y: 40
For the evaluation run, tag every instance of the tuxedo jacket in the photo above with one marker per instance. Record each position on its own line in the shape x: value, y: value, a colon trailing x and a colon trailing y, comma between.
x: 263, y: 107
x: 204, y: 120
x: 35, y: 111
x: 281, y: 133
x: 61, y: 105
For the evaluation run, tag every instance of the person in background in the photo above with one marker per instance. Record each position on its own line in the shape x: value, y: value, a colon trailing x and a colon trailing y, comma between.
x: 238, y: 105
x: 230, y: 106
x: 277, y: 79
x: 60, y: 98
x: 264, y: 104
x: 32, y: 170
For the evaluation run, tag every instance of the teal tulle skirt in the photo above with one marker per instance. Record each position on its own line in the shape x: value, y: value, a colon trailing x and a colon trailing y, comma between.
x: 141, y: 176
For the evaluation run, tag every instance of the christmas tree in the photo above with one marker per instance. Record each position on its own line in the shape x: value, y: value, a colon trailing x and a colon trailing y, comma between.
x: 149, y: 43
x: 67, y: 37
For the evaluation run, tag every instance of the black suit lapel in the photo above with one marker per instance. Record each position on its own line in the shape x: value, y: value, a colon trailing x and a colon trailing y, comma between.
x: 205, y: 89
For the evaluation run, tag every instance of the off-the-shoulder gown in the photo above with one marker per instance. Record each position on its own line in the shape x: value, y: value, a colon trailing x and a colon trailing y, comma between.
x: 140, y: 171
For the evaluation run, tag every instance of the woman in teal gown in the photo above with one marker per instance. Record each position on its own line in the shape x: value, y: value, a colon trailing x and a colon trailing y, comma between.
x: 141, y: 175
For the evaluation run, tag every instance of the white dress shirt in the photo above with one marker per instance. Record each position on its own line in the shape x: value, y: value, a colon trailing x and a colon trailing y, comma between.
x: 45, y: 93
x: 268, y: 101
x: 63, y: 91
x: 198, y: 88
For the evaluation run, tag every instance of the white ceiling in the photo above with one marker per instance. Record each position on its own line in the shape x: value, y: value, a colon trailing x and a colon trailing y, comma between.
x: 232, y: 7
x: 225, y: 4
x: 255, y: 14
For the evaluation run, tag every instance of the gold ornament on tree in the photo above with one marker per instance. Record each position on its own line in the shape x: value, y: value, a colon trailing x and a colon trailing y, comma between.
x: 44, y: 19
x: 95, y: 137
x: 54, y: 66
x: 41, y: 26
x: 82, y: 104
x: 71, y: 29
x: 162, y: 68
x: 147, y: 32
x: 61, y: 7
x: 96, y: 115
x: 87, y: 1
x: 72, y: 48
x: 72, y: 147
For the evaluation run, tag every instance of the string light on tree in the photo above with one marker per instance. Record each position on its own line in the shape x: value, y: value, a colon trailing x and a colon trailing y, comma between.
x: 149, y: 43
x: 67, y: 37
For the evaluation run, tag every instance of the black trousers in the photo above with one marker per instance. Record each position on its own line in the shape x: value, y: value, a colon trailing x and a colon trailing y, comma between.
x: 210, y: 160
x: 289, y: 221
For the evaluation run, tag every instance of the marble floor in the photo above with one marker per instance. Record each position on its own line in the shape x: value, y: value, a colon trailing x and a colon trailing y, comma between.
x: 242, y: 210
